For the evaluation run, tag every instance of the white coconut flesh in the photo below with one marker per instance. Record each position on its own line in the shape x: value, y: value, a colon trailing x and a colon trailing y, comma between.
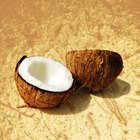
x: 46, y: 74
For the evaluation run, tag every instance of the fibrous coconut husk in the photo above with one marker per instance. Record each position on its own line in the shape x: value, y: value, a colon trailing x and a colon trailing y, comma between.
x: 95, y: 69
x: 36, y: 97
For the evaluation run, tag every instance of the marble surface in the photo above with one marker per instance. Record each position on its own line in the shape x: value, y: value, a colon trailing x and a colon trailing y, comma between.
x: 51, y: 28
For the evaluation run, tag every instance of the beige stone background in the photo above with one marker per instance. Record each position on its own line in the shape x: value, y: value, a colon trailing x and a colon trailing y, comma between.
x: 51, y: 28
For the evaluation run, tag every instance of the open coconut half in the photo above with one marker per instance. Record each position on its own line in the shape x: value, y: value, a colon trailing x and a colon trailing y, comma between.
x: 95, y: 69
x: 43, y: 82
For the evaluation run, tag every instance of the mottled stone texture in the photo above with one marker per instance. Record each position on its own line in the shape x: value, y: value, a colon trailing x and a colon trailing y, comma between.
x: 52, y: 28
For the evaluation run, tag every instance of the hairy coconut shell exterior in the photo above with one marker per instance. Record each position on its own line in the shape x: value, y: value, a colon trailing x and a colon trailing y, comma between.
x: 39, y: 98
x: 95, y: 69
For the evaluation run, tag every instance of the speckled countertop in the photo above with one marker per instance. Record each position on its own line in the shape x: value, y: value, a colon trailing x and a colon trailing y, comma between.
x: 51, y: 28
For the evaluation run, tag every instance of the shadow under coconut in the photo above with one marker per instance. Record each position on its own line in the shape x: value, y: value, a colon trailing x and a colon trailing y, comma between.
x: 117, y: 89
x: 78, y: 102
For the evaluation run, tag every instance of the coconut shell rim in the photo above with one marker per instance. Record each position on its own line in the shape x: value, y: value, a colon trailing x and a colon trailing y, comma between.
x: 42, y: 90
x: 106, y: 50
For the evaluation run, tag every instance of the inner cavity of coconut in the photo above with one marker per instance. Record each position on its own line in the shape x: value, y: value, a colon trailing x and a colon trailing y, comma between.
x: 46, y: 74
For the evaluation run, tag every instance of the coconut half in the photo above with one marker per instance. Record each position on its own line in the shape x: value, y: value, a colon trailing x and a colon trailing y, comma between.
x: 43, y: 82
x: 95, y: 69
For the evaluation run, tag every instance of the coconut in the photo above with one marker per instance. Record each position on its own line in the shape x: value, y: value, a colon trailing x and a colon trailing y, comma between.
x: 43, y: 82
x: 95, y: 69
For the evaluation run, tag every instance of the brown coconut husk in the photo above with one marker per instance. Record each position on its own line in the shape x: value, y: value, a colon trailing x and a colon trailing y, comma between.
x: 95, y: 69
x: 39, y: 98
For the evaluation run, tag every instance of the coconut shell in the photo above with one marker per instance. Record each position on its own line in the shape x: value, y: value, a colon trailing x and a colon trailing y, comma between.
x: 95, y: 69
x: 39, y: 98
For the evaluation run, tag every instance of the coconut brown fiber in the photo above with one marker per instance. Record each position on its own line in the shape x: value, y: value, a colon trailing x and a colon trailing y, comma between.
x: 95, y: 69
x: 39, y: 98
